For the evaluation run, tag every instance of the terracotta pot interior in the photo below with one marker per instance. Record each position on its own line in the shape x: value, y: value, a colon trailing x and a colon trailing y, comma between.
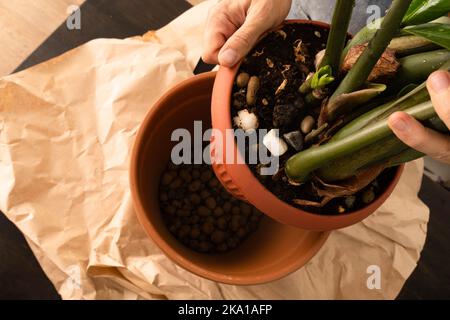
x: 272, y: 251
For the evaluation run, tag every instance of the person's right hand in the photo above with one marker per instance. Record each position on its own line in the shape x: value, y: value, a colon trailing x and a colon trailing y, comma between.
x: 234, y: 27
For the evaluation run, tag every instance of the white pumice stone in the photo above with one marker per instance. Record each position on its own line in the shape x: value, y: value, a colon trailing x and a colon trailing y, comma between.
x: 274, y: 143
x: 246, y: 121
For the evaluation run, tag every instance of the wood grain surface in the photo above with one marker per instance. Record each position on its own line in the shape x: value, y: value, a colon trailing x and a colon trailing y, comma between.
x: 25, y: 24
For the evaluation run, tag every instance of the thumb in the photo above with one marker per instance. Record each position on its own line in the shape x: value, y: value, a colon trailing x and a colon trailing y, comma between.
x: 240, y: 43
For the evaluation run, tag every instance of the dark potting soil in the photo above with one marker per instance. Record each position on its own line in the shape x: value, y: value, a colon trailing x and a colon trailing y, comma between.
x: 282, y: 61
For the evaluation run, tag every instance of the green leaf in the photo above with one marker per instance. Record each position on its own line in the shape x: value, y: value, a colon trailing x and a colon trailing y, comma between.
x: 322, y: 78
x: 435, y: 32
x: 363, y: 36
x: 422, y: 11
x: 407, y: 89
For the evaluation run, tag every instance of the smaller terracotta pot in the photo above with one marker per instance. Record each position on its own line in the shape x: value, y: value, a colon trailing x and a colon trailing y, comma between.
x: 240, y: 181
x: 270, y: 253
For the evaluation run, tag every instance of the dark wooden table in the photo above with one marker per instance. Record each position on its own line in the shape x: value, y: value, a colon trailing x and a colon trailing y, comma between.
x: 20, y: 274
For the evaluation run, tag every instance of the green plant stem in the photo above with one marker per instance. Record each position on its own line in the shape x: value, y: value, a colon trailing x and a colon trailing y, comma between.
x: 416, y: 96
x: 358, y: 75
x: 375, y: 153
x: 299, y: 167
x: 386, y: 151
x: 414, y: 69
x: 363, y: 36
x: 338, y: 34
x: 437, y: 124
x: 403, y: 157
x: 306, y: 85
x: 348, y: 102
x: 408, y: 45
x: 398, y: 155
x: 349, y: 117
x: 417, y: 67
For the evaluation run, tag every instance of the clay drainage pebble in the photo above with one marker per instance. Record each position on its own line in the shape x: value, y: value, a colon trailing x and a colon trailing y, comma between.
x: 200, y: 213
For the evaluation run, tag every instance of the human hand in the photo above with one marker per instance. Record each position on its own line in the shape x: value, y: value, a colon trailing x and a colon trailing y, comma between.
x: 414, y: 134
x: 234, y: 26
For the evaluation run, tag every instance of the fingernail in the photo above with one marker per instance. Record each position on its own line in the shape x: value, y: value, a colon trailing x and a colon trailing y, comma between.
x: 400, y: 125
x: 440, y: 81
x: 228, y: 57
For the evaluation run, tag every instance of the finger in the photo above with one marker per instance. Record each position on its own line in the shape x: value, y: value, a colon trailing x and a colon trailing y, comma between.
x: 212, y: 47
x: 241, y: 42
x: 217, y: 30
x: 438, y: 85
x: 415, y: 135
x: 261, y: 16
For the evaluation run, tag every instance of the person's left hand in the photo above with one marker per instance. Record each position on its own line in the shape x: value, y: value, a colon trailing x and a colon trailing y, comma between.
x: 234, y: 26
x: 414, y: 134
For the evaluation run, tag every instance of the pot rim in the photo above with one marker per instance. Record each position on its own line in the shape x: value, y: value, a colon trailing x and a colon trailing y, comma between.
x: 257, y: 192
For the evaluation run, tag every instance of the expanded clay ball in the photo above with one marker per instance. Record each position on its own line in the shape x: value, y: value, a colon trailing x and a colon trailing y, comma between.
x: 200, y: 213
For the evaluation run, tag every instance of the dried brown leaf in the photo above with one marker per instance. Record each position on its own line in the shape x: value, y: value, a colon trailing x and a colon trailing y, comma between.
x: 386, y: 67
x: 344, y: 188
x: 300, y: 51
x: 281, y: 87
x: 332, y: 108
x: 349, y: 186
x: 286, y: 68
x: 308, y: 203
x: 282, y: 34
x: 319, y: 58
x: 258, y: 53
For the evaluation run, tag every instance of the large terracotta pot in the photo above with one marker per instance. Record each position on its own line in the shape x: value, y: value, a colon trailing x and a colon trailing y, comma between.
x: 272, y: 252
x: 240, y: 181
